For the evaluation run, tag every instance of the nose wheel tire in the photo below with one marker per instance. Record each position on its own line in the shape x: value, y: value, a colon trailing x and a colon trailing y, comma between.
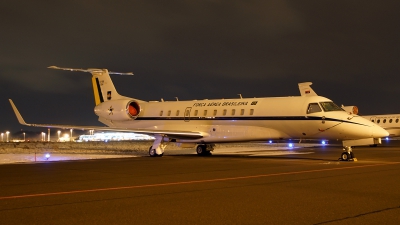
x: 345, y: 156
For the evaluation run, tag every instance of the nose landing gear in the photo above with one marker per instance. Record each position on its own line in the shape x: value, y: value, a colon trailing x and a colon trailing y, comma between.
x: 347, y: 155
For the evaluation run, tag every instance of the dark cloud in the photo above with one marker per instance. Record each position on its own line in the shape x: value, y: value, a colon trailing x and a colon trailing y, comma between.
x: 195, y: 50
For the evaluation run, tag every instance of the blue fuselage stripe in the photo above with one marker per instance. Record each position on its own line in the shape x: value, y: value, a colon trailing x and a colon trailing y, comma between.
x: 246, y: 118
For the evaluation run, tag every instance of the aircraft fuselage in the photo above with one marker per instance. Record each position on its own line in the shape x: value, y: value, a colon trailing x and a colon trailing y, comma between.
x: 247, y: 119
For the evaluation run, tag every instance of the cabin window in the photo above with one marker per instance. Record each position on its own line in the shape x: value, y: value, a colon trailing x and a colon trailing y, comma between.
x: 372, y: 120
x: 378, y: 121
x: 242, y: 112
x: 224, y: 112
x: 233, y: 112
x: 390, y: 121
x: 215, y: 112
x: 161, y: 112
x: 330, y: 106
x: 205, y: 112
x: 313, y: 108
x: 196, y: 112
x: 251, y: 112
x: 177, y: 112
x: 384, y: 121
x: 169, y: 112
x: 397, y: 120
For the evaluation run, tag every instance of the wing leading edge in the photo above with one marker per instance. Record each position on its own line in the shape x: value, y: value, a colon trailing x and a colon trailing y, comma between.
x: 169, y: 133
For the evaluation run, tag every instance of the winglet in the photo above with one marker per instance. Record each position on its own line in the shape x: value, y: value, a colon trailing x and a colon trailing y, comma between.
x: 306, y: 90
x: 17, y: 114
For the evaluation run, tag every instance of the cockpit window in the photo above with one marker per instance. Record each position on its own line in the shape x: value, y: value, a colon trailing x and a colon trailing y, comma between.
x: 330, y: 106
x: 313, y: 108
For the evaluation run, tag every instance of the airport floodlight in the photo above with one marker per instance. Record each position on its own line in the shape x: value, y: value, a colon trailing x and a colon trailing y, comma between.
x: 7, y: 133
x: 47, y: 156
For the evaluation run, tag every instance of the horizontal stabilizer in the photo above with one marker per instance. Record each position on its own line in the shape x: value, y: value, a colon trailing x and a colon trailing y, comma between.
x: 88, y: 70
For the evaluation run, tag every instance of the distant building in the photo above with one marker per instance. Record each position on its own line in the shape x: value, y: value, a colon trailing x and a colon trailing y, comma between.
x: 117, y: 136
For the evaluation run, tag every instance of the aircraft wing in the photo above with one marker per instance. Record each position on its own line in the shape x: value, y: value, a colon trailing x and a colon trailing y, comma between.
x: 169, y: 133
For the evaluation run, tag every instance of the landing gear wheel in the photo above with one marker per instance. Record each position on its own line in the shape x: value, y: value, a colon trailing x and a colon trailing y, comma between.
x: 152, y: 152
x: 201, y: 149
x: 345, y: 156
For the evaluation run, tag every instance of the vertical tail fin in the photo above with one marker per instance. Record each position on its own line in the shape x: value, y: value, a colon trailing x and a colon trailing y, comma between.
x: 103, y: 87
x: 306, y: 90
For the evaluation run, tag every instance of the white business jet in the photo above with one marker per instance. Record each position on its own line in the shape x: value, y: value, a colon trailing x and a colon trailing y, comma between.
x: 202, y: 123
x: 389, y: 122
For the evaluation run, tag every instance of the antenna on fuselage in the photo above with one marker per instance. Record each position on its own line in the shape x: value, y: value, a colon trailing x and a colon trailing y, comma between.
x: 177, y: 99
x: 240, y: 95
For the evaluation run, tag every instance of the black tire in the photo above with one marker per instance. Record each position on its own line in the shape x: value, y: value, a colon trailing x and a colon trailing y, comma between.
x: 345, y: 156
x: 201, y: 150
x: 152, y: 152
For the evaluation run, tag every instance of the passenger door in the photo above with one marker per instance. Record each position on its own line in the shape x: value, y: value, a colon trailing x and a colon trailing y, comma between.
x: 187, y: 114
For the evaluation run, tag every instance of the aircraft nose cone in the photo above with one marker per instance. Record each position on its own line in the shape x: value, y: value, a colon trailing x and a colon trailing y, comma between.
x: 379, y: 132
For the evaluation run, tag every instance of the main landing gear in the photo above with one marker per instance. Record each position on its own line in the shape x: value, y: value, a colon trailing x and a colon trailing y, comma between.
x: 157, y: 149
x: 203, y: 150
x: 347, y: 155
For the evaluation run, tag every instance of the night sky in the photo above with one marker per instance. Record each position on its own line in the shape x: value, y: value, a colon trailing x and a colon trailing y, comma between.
x: 207, y: 49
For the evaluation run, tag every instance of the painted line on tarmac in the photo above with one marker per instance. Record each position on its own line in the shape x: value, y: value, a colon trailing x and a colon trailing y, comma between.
x: 190, y: 182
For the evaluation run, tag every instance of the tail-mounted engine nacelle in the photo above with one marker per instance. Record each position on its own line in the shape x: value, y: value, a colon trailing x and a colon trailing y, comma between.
x: 350, y: 109
x: 118, y: 110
